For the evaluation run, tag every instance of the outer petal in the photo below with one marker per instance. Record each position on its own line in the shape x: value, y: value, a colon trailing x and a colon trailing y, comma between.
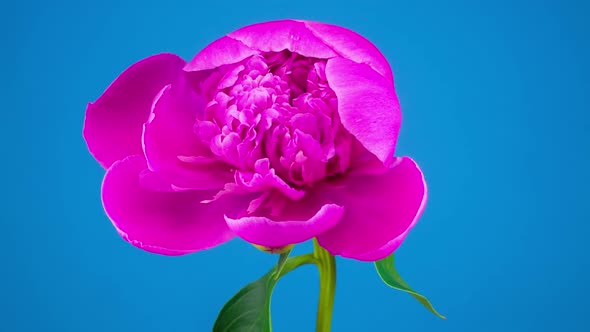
x: 379, y: 212
x: 169, y: 136
x: 369, y: 108
x: 277, y: 36
x: 351, y: 45
x: 113, y: 123
x: 298, y: 221
x: 169, y: 223
x: 364, y: 162
x: 223, y: 51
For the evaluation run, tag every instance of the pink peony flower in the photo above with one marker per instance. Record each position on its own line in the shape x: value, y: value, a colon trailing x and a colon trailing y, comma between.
x: 277, y: 133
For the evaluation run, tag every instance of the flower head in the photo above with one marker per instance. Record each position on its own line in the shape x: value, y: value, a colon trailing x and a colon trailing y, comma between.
x: 277, y: 133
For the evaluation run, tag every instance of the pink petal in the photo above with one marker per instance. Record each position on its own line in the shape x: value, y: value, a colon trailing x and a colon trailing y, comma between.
x: 298, y: 221
x: 369, y: 108
x: 113, y: 123
x: 379, y: 211
x: 264, y: 179
x: 277, y: 36
x: 350, y: 45
x: 223, y: 51
x: 364, y: 162
x: 169, y: 134
x: 168, y: 223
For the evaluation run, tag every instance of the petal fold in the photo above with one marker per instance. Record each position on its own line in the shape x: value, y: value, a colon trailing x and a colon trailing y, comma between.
x: 379, y: 212
x: 168, y: 223
x: 297, y: 221
x: 276, y: 36
x: 369, y: 108
x: 113, y: 123
x: 223, y: 51
x: 349, y: 44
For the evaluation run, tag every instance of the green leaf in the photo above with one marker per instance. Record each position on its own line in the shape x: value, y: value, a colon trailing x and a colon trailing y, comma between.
x: 249, y: 309
x: 391, y: 277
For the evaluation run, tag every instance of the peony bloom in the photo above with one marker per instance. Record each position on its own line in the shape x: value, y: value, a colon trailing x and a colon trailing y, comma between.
x: 276, y: 133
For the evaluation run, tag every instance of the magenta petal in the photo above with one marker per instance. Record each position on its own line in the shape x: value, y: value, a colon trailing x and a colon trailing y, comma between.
x: 265, y: 179
x: 298, y: 221
x: 277, y: 36
x: 351, y: 45
x: 369, y: 108
x: 379, y: 211
x: 169, y: 135
x: 113, y: 123
x: 168, y: 223
x: 223, y: 51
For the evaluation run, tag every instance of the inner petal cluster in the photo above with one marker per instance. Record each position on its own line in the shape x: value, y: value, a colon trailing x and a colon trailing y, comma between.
x: 276, y: 109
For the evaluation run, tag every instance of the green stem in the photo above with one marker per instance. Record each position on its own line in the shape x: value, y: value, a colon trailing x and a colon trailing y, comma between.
x: 327, y: 266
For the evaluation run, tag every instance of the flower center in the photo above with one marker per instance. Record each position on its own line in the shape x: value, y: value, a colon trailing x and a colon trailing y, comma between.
x: 277, y: 106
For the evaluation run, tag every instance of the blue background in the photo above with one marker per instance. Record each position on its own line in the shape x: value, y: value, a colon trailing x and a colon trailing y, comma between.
x: 495, y: 98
